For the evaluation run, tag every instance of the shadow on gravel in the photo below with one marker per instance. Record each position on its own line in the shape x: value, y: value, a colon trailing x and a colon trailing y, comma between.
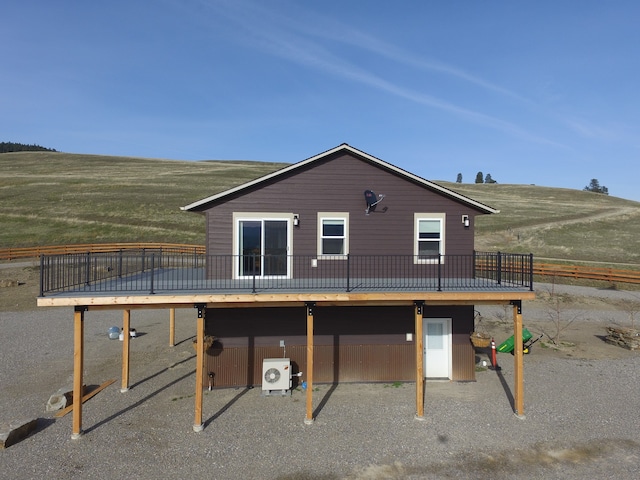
x: 507, y: 389
x: 324, y: 400
x: 160, y: 372
x: 192, y: 338
x: 144, y: 399
x: 43, y: 424
x: 226, y: 407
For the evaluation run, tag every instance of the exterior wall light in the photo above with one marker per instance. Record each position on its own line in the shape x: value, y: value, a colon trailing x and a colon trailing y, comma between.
x: 465, y: 220
x: 296, y: 220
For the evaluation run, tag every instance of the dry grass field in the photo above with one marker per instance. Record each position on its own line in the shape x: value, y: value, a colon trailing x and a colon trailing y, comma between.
x: 51, y: 198
x: 556, y: 223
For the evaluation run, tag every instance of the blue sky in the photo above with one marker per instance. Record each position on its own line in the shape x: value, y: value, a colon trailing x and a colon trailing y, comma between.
x: 543, y: 92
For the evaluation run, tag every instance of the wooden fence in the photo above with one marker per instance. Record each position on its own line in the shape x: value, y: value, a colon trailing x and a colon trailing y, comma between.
x: 34, y: 252
x: 605, y: 274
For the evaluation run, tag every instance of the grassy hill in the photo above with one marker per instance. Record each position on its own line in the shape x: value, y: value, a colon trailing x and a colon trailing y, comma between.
x: 58, y: 198
x: 51, y: 198
x: 556, y: 223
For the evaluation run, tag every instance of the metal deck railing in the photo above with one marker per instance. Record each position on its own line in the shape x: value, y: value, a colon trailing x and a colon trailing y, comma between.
x: 163, y: 272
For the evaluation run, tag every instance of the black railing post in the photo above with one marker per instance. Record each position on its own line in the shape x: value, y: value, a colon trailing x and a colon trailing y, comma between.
x: 152, y: 273
x: 439, y: 272
x: 120, y: 264
x: 531, y: 272
x: 499, y: 268
x: 474, y: 262
x: 42, y: 275
x: 348, y: 272
x: 253, y: 287
x: 87, y: 271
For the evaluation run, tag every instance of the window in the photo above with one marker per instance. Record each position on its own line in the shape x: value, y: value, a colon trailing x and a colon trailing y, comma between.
x: 262, y: 246
x: 333, y: 234
x: 429, y: 237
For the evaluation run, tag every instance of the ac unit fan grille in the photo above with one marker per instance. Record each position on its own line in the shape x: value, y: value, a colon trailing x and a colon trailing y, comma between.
x: 272, y: 375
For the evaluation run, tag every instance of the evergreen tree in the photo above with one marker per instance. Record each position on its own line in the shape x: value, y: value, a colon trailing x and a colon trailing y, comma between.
x: 479, y: 177
x: 488, y: 179
x: 459, y: 178
x: 7, y: 147
x: 594, y: 186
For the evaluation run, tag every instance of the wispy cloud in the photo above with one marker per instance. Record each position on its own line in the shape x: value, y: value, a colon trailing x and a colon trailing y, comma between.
x: 589, y: 130
x: 307, y: 40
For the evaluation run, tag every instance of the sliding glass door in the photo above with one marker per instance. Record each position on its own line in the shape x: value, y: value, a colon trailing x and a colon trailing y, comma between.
x: 263, y: 247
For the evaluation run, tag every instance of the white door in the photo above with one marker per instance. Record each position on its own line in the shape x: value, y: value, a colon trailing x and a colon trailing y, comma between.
x: 437, y: 347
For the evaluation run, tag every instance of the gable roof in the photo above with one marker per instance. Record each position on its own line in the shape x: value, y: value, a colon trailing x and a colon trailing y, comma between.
x: 196, y: 206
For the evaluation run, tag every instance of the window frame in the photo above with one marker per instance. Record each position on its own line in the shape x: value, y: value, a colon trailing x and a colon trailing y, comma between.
x: 418, y: 217
x: 326, y: 216
x: 262, y: 217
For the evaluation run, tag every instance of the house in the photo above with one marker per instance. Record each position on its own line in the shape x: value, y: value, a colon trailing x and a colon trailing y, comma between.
x: 321, y: 214
x: 354, y: 269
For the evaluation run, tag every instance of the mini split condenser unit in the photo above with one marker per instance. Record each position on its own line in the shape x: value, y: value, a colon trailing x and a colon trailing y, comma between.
x: 276, y: 375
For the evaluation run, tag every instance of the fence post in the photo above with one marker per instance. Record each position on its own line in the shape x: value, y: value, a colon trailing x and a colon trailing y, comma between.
x: 152, y: 272
x: 499, y: 269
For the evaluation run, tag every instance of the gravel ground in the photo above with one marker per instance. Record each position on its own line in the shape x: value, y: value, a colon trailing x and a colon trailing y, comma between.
x: 581, y: 415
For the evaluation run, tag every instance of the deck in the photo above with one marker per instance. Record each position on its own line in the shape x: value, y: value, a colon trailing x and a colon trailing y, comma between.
x: 153, y: 279
x: 124, y: 281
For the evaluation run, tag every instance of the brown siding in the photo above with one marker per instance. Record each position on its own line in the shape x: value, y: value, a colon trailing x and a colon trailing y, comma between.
x: 463, y: 361
x: 352, y: 344
x: 336, y: 184
x: 346, y: 363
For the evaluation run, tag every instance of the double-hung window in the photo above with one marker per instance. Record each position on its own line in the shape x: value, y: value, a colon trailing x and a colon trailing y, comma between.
x: 429, y: 237
x: 333, y: 235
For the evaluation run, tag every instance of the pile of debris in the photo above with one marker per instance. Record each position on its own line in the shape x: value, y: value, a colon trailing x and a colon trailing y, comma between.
x: 628, y: 338
x: 209, y: 340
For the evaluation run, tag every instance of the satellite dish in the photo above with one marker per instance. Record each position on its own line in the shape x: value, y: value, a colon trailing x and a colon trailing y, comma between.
x: 372, y: 200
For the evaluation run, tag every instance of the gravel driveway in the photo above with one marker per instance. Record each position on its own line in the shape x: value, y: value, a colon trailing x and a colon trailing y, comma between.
x: 581, y: 415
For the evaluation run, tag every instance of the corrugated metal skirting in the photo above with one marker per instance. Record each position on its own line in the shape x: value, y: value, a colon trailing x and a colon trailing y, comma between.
x: 349, y: 363
x: 463, y: 359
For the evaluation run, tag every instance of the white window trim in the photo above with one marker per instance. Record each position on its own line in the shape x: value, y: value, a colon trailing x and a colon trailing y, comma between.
x: 442, y: 217
x: 260, y: 216
x: 333, y: 216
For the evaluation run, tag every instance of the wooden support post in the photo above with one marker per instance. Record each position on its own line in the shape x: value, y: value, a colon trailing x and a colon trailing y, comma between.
x: 419, y: 341
x: 172, y: 327
x: 78, y: 367
x: 309, y: 414
x: 198, y: 426
x: 126, y: 326
x: 518, y: 355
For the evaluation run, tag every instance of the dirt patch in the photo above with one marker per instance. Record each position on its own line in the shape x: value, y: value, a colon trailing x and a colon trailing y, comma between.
x: 20, y: 288
x: 573, y: 321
